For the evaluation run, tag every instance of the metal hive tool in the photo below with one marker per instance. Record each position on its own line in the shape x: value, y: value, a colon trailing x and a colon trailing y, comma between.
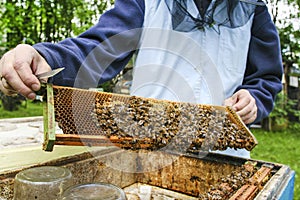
x: 95, y: 118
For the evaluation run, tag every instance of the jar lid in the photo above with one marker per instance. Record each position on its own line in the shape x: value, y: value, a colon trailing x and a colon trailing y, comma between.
x: 44, y: 174
x: 94, y: 191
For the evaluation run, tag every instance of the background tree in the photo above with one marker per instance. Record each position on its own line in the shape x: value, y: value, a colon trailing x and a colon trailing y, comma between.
x: 33, y: 21
x: 286, y: 16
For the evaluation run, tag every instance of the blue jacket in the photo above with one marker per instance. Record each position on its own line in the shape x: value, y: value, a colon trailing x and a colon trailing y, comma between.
x: 263, y: 71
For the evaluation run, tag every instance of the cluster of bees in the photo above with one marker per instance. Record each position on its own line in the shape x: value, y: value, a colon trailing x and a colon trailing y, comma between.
x: 231, y: 183
x: 182, y: 127
x: 170, y: 125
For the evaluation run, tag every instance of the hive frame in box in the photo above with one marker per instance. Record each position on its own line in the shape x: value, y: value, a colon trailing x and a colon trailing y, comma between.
x: 70, y: 138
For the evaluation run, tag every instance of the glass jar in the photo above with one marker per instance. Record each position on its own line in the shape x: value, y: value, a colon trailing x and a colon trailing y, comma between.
x: 47, y: 182
x: 94, y: 191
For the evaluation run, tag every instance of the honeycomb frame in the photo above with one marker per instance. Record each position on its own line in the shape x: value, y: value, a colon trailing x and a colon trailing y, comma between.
x: 94, y: 118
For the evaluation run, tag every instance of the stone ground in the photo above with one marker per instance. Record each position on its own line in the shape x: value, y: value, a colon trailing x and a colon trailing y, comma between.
x: 20, y: 132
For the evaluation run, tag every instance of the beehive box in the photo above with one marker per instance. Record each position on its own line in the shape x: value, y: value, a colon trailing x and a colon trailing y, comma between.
x: 171, y: 163
x: 159, y: 175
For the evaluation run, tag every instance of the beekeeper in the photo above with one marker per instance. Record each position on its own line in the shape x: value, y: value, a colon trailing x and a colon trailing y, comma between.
x: 205, y: 51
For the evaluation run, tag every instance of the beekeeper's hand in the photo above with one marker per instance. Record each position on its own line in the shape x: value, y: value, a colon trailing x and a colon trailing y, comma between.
x: 244, y: 104
x: 17, y: 71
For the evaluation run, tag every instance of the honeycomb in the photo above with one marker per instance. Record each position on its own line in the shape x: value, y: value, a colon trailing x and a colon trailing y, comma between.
x: 134, y: 122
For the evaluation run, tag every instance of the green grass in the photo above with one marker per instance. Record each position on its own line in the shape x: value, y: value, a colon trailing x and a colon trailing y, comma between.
x: 279, y: 147
x: 26, y: 109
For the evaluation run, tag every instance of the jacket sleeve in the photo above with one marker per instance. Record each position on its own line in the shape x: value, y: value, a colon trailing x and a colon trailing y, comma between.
x: 101, y: 52
x: 264, y: 65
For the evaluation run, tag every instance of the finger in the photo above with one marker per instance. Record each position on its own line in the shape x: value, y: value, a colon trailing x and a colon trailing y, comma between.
x: 16, y: 85
x: 7, y: 90
x: 246, y: 114
x: 246, y: 106
x: 11, y: 80
x: 5, y: 84
x: 26, y: 65
x: 16, y: 69
x: 244, y: 109
x: 245, y: 100
x: 241, y: 103
x: 7, y: 87
x: 250, y: 118
x: 230, y: 101
x: 11, y: 93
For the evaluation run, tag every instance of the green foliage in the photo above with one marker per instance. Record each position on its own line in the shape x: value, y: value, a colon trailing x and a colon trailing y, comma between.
x: 289, y: 33
x: 290, y: 44
x: 33, y: 21
x: 108, y: 86
x: 284, y: 107
x: 12, y: 103
x: 88, y: 14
